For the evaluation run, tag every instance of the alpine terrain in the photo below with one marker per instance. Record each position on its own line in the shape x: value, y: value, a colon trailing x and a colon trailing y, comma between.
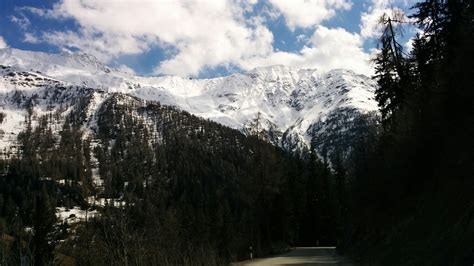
x: 160, y: 160
x: 291, y: 108
x: 274, y: 165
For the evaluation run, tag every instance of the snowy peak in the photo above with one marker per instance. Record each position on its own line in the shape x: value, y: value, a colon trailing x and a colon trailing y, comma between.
x: 286, y: 76
x: 75, y: 68
x: 272, y: 72
x: 51, y: 63
x: 280, y: 71
x: 287, y: 101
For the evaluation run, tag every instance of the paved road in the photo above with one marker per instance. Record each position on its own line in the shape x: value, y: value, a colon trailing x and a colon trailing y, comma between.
x: 303, y: 256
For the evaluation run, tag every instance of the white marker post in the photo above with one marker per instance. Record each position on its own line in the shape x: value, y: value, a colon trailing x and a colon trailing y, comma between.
x: 251, y: 253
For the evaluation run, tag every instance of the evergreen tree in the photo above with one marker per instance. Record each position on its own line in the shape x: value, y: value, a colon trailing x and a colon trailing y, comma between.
x: 418, y: 167
x: 43, y: 227
x: 391, y: 70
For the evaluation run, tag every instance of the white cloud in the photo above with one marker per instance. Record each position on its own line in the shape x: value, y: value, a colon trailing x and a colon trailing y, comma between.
x: 105, y: 45
x: 409, y: 45
x: 308, y: 13
x: 328, y: 49
x: 236, y: 43
x: 369, y: 21
x: 3, y: 43
x: 126, y: 69
x: 338, y: 48
x: 201, y: 33
x: 369, y: 27
x: 30, y: 38
x: 302, y: 39
x: 198, y: 35
x: 23, y: 22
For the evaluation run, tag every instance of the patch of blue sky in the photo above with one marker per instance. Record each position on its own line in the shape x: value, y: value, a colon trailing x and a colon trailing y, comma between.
x: 16, y: 21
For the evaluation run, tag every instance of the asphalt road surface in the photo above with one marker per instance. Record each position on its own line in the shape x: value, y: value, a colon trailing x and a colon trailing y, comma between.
x: 305, y: 256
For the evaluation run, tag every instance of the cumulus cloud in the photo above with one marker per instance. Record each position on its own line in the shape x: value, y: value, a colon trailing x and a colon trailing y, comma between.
x: 369, y: 27
x: 200, y: 35
x: 327, y: 49
x: 3, y: 43
x: 338, y: 48
x: 308, y: 13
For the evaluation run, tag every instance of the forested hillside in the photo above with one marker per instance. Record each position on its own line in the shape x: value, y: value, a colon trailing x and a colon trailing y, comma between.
x: 106, y: 175
x: 175, y: 189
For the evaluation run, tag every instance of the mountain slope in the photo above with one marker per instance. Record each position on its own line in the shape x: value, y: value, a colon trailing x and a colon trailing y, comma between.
x: 99, y: 137
x: 282, y: 102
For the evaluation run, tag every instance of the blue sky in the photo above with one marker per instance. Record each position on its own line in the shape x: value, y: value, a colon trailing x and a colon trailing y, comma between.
x: 201, y: 38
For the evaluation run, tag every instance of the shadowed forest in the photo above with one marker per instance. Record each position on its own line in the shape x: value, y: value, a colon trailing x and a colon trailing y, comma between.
x: 188, y: 191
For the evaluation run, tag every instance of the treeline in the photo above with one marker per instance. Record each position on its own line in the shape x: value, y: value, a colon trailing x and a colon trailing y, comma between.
x: 412, y: 188
x: 180, y: 190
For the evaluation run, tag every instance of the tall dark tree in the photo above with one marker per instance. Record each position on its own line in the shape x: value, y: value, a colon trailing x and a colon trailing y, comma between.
x: 391, y: 70
x: 418, y: 171
x: 43, y: 226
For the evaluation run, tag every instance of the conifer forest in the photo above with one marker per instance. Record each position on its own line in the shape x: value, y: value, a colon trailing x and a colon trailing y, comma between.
x: 142, y: 182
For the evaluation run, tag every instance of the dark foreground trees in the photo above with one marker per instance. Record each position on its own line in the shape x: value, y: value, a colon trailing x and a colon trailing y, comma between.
x: 413, y: 201
x: 185, y: 191
x: 44, y: 222
x: 181, y: 191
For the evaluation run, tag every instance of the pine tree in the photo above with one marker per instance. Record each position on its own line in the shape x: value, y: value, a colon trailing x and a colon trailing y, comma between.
x: 43, y: 225
x: 391, y: 70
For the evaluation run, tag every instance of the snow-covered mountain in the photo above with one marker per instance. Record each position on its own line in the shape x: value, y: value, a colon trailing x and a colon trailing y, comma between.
x: 289, y: 105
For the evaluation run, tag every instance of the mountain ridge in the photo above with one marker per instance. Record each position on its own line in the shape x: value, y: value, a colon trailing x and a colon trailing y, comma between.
x: 282, y: 101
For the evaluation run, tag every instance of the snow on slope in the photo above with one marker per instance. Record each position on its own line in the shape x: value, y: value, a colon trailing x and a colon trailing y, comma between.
x: 22, y: 92
x: 287, y: 100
